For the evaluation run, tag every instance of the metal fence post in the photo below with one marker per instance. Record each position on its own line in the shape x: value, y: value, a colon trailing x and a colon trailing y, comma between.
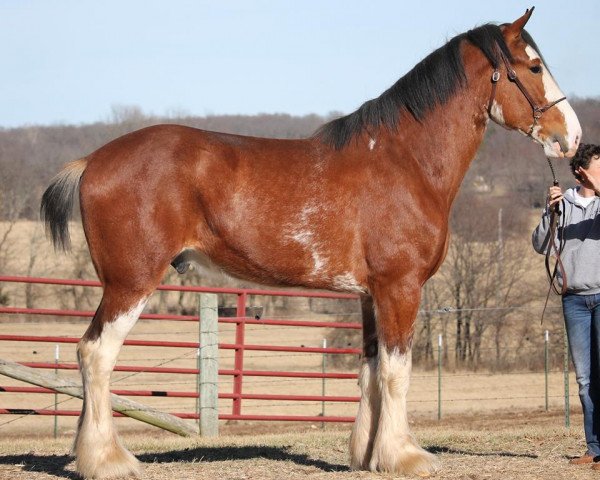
x: 546, y: 368
x: 238, y: 377
x: 209, y: 365
x: 56, y: 357
x: 198, y: 379
x: 323, y: 370
x: 439, y: 376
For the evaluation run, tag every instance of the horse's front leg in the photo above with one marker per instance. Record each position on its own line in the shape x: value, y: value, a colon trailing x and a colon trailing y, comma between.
x: 394, y: 448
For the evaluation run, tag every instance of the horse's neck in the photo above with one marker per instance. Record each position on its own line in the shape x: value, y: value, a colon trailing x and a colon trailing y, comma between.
x: 446, y: 141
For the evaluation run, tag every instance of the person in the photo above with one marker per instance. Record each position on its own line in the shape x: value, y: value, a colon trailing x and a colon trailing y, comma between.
x: 578, y: 231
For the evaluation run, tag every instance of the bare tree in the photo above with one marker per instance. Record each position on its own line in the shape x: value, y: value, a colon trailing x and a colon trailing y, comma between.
x: 11, y: 204
x: 480, y: 274
x: 425, y: 341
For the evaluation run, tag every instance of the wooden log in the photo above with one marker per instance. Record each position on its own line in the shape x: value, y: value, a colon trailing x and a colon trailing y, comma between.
x: 122, y: 405
x: 209, y: 365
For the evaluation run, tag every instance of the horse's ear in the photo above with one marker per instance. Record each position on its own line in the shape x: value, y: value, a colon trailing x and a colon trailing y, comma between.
x: 514, y: 29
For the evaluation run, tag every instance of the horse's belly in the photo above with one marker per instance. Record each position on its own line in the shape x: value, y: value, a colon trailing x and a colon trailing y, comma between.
x: 277, y: 266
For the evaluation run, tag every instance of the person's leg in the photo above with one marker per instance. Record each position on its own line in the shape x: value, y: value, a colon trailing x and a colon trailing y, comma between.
x: 595, y: 370
x: 578, y: 320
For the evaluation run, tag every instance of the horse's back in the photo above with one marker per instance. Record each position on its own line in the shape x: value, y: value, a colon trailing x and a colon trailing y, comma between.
x: 178, y: 146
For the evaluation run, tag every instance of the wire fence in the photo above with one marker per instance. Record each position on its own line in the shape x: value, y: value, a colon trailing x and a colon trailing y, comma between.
x: 272, y: 368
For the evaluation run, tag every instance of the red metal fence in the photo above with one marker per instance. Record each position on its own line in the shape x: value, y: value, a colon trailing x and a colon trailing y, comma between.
x: 239, y: 346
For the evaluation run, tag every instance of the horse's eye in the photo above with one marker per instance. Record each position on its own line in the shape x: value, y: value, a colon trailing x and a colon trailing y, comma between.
x: 536, y: 69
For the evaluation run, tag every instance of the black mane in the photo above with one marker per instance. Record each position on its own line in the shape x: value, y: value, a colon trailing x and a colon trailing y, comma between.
x: 430, y: 83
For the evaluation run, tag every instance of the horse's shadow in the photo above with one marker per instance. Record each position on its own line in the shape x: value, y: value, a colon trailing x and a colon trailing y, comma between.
x: 454, y: 451
x: 225, y: 453
x: 50, y: 464
x: 57, y: 464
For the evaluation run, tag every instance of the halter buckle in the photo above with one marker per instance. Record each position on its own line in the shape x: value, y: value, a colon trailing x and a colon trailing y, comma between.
x: 495, y: 76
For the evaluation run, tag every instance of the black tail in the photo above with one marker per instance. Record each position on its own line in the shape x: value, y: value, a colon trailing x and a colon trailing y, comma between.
x: 57, y: 203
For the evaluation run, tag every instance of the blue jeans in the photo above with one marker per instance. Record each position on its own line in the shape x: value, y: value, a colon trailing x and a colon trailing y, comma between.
x: 582, y: 319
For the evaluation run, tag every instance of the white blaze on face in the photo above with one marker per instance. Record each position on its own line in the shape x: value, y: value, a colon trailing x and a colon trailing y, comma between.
x: 553, y: 93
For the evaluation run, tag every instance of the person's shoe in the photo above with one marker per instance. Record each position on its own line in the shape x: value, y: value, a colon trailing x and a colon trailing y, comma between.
x: 584, y: 459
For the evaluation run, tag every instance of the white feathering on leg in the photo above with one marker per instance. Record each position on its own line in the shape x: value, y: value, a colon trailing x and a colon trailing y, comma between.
x: 395, y: 450
x: 365, y: 425
x: 98, y: 449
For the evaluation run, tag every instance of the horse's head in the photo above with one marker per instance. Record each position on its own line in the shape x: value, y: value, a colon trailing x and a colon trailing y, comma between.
x: 525, y: 96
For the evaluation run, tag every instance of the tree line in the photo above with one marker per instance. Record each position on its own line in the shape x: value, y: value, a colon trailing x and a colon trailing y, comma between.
x: 507, y: 164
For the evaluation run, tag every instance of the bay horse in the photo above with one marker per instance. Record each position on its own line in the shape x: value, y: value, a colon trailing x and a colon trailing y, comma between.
x: 361, y: 206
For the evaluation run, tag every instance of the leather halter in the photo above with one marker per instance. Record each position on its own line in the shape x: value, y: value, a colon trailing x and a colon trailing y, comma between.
x: 553, y: 235
x: 512, y: 76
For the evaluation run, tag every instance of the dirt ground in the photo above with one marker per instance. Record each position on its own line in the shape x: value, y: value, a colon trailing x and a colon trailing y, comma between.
x: 503, y: 446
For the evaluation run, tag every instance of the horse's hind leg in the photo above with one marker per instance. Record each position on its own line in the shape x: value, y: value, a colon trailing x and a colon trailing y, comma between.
x: 97, y: 448
x: 367, y: 418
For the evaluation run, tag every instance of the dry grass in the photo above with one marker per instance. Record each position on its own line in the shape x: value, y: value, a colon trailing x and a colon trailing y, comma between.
x: 502, y: 446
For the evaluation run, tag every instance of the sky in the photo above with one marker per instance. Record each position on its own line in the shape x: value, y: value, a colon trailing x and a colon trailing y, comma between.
x: 73, y: 62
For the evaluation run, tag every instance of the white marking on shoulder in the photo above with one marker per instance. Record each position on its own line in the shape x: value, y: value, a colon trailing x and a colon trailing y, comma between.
x: 306, y: 237
x: 303, y: 237
x: 347, y: 282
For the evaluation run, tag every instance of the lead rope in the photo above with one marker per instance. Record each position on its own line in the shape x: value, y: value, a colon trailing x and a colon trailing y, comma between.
x: 551, y: 273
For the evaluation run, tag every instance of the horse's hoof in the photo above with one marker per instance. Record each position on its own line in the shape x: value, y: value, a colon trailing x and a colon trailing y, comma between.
x: 403, y: 457
x: 113, y: 462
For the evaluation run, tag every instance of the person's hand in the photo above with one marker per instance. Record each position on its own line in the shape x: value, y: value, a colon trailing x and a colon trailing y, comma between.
x: 555, y: 195
x: 588, y: 180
